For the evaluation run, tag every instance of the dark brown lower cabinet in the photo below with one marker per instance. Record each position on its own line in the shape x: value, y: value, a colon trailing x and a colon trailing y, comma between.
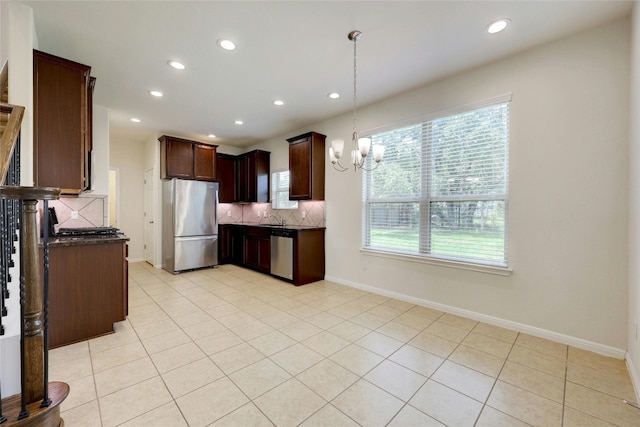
x: 88, y: 290
x: 250, y: 246
x: 257, y: 249
x: 308, y: 256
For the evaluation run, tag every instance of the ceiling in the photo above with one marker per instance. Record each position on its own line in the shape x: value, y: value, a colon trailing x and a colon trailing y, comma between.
x: 296, y: 51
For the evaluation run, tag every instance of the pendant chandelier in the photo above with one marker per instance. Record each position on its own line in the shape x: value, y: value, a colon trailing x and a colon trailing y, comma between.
x: 360, y: 147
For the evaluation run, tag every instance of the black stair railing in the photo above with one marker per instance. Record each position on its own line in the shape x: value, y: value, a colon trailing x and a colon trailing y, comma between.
x: 8, y: 232
x: 8, y: 238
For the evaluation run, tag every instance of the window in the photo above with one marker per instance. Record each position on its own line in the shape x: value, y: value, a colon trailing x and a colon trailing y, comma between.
x: 442, y: 191
x: 280, y: 191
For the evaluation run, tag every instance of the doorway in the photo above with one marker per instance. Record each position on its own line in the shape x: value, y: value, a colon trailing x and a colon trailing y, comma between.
x: 114, y: 195
x: 149, y: 217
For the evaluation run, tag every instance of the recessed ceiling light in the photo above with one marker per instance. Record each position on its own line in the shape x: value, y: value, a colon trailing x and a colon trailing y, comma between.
x: 278, y: 102
x: 156, y: 93
x: 498, y: 26
x: 226, y: 44
x: 135, y: 120
x: 238, y: 122
x: 211, y: 135
x: 176, y: 64
x: 333, y: 95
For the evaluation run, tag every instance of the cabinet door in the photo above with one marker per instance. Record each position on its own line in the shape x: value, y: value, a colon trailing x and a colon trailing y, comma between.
x: 224, y: 244
x: 88, y: 143
x: 241, y: 179
x: 226, y: 170
x: 300, y: 169
x: 179, y: 159
x: 237, y: 246
x: 204, y: 162
x: 306, y: 166
x: 253, y: 177
x: 60, y: 122
x: 258, y: 253
x: 251, y: 251
x: 250, y: 182
x: 264, y: 255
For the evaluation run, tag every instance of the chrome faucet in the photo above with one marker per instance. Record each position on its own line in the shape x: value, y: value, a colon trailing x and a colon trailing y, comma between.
x: 279, y: 220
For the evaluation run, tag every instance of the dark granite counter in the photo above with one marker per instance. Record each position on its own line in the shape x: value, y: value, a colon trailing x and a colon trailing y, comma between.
x: 86, y: 240
x: 278, y: 227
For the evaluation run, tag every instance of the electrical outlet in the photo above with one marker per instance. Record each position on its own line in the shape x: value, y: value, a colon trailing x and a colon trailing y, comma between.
x: 304, y: 214
x: 229, y: 214
x: 74, y: 214
x: 264, y: 214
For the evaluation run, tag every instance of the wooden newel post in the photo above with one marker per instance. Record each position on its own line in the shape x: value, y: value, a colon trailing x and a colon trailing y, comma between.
x: 33, y: 370
x: 33, y: 305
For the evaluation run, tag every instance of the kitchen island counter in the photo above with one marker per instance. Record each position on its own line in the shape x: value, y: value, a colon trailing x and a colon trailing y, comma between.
x: 88, y: 287
x: 86, y: 240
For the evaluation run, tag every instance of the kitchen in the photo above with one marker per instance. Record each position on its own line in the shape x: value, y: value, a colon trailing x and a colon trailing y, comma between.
x: 522, y: 298
x: 194, y: 180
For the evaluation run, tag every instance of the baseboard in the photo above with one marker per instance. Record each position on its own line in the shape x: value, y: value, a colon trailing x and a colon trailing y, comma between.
x: 634, y: 377
x: 135, y: 259
x: 496, y: 321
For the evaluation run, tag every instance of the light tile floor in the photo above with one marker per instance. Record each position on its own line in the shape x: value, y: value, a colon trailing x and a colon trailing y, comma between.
x: 232, y: 347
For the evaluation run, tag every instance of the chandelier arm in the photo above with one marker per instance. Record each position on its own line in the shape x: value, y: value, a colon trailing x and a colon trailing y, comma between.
x: 339, y: 166
x: 370, y: 169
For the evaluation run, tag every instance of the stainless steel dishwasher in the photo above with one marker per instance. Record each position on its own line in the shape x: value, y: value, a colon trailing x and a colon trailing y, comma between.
x: 282, y: 253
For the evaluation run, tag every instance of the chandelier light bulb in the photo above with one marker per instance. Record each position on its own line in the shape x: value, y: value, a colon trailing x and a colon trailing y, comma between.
x: 332, y: 156
x: 364, y: 145
x: 378, y: 152
x: 337, y: 146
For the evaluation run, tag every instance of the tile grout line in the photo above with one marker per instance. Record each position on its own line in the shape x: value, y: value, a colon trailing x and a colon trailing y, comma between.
x: 404, y: 342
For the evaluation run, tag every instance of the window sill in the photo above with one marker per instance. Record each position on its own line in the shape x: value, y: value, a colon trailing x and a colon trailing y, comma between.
x: 501, y: 271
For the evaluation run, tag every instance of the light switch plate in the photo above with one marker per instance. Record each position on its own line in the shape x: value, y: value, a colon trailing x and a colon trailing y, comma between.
x: 74, y: 214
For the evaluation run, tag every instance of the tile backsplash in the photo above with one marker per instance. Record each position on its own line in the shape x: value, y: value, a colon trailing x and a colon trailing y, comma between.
x: 92, y: 211
x: 309, y: 213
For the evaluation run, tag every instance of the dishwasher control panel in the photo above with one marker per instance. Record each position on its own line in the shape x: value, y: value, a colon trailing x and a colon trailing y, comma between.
x: 283, y: 233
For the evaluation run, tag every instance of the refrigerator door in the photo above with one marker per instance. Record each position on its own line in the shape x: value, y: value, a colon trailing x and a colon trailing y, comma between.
x: 195, y: 252
x: 195, y: 208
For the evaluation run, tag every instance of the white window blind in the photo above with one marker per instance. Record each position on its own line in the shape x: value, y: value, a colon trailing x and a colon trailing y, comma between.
x: 443, y: 188
x: 280, y: 191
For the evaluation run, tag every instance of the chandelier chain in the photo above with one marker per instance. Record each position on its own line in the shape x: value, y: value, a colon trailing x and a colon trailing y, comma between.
x: 355, y: 86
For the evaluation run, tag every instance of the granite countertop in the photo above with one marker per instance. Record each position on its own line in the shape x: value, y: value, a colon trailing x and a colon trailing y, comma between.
x: 274, y: 226
x: 86, y: 240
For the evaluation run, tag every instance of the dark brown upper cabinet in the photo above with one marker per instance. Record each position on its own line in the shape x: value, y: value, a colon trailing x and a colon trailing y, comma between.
x: 204, y: 162
x: 306, y: 166
x: 226, y: 168
x: 185, y: 159
x: 253, y: 178
x: 62, y: 114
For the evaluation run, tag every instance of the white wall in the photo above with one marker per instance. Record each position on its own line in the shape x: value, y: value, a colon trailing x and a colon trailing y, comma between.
x: 100, y: 152
x: 567, y: 230
x: 4, y: 35
x: 129, y: 157
x: 22, y: 41
x: 633, y: 357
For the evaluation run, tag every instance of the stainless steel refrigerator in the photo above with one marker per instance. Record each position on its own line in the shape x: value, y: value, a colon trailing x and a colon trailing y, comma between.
x: 189, y: 224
